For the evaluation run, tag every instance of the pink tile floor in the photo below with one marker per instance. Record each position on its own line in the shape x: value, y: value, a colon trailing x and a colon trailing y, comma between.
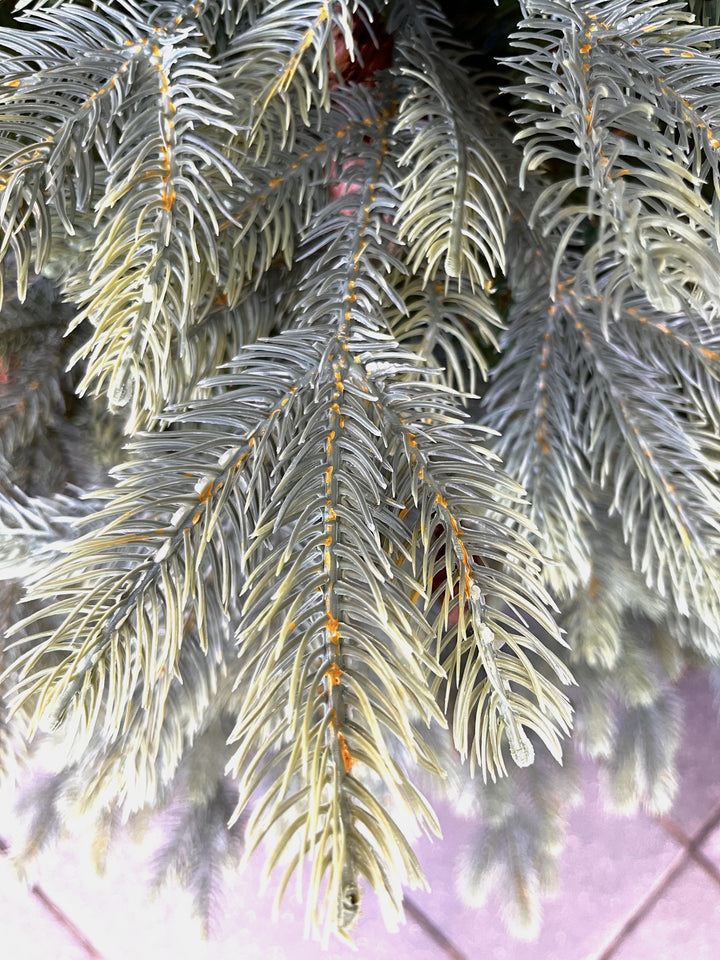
x: 637, y: 888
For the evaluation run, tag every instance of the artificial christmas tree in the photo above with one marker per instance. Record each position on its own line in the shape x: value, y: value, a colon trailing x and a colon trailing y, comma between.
x: 260, y: 258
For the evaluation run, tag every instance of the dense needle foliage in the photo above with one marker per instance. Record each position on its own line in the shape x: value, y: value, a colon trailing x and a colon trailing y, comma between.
x: 348, y: 396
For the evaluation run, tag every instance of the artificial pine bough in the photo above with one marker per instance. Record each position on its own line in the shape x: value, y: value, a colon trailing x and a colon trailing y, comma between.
x: 276, y: 526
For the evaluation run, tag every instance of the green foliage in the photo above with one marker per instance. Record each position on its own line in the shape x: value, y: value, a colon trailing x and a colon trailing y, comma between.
x: 296, y: 235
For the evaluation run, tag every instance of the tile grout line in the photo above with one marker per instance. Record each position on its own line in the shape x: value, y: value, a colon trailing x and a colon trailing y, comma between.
x: 687, y: 855
x: 57, y: 914
x: 432, y: 931
x: 691, y: 844
x: 643, y: 908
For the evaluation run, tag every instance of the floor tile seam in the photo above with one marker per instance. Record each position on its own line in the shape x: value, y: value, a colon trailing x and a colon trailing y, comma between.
x: 707, y: 826
x: 63, y: 920
x: 56, y: 912
x: 691, y: 846
x: 432, y: 931
x: 638, y: 914
x: 706, y: 864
